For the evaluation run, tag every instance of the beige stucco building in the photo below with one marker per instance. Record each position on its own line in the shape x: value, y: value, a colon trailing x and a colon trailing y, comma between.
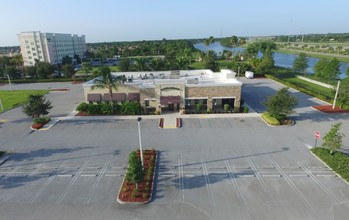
x: 50, y: 47
x: 173, y: 90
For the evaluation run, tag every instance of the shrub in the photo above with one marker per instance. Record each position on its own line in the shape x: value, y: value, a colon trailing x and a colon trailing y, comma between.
x: 246, y: 109
x: 82, y: 107
x: 226, y: 107
x: 198, y: 107
x: 94, y: 109
x: 107, y: 109
x: 337, y: 161
x: 270, y: 119
x: 42, y: 120
x: 131, y: 108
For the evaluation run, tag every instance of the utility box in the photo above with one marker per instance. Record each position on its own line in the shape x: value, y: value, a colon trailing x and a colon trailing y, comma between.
x: 249, y: 75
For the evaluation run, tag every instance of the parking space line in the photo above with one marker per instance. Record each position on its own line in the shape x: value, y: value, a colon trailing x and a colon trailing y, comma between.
x: 319, y: 183
x: 11, y: 173
x: 180, y: 174
x: 232, y: 177
x: 12, y: 194
x: 207, y: 180
x: 261, y: 181
x: 291, y: 184
x: 67, y: 188
x: 93, y: 188
x: 45, y: 185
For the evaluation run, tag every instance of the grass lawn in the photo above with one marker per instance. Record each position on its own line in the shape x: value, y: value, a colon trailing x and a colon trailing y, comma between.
x: 15, y: 98
x: 342, y: 58
x: 113, y: 69
x: 310, y: 86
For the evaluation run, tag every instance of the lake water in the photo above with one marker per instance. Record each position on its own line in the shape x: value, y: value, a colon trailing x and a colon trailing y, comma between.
x: 281, y: 59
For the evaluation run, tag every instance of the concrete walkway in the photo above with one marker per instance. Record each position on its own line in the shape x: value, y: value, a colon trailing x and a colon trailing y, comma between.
x: 170, y: 120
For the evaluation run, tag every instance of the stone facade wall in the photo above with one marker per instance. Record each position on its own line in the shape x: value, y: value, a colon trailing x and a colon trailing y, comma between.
x: 217, y: 91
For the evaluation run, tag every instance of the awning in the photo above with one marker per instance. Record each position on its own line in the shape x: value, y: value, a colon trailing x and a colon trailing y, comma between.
x: 170, y: 99
x: 133, y: 96
x: 115, y: 97
x: 94, y: 97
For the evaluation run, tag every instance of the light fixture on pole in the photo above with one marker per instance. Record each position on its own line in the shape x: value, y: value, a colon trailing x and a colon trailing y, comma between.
x: 9, y: 81
x: 140, y: 139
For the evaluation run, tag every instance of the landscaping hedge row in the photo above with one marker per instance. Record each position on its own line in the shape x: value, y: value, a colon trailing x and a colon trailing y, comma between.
x: 301, y: 89
x: 337, y: 161
x: 127, y: 108
x: 270, y: 119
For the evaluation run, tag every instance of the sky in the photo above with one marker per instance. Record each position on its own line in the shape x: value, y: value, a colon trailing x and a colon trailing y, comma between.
x: 131, y: 20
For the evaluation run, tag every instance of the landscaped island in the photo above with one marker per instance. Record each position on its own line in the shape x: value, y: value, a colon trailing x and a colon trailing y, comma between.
x: 138, y: 184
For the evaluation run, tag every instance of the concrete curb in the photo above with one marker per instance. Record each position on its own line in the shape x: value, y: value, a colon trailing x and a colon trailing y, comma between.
x: 152, y: 187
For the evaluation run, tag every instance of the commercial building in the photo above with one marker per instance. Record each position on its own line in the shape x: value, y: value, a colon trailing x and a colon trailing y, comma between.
x: 173, y: 90
x: 50, y: 47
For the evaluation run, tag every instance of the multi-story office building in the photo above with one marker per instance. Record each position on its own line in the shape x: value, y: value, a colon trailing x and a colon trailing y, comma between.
x: 50, y: 47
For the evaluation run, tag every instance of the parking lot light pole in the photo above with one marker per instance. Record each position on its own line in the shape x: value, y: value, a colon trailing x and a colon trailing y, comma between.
x: 9, y: 81
x: 140, y: 139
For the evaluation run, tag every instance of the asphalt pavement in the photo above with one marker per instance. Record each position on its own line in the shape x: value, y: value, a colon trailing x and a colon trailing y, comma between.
x: 213, y: 167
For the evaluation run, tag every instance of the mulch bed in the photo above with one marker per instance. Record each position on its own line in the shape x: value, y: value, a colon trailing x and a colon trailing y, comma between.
x: 128, y: 194
x: 60, y: 90
x: 82, y: 114
x: 328, y: 109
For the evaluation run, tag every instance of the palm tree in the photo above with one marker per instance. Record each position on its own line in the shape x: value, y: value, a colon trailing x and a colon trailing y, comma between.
x: 106, y: 80
x: 209, y: 41
x: 140, y: 64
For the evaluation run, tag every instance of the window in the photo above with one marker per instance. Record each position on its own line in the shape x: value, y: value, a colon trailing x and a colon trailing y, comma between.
x: 196, y: 101
x: 33, y: 48
x: 32, y: 43
x: 30, y: 57
x: 34, y: 54
x: 40, y: 57
x: 146, y: 103
x: 26, y: 41
x: 29, y: 52
x: 204, y: 101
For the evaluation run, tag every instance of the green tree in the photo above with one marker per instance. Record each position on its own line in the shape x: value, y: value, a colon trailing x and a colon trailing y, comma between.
x: 43, y: 69
x: 68, y: 70
x: 12, y: 72
x: 300, y: 64
x: 36, y: 106
x: 135, y: 170
x: 106, y: 80
x: 209, y: 41
x: 327, y: 70
x: 266, y: 63
x: 125, y: 65
x: 333, y: 139
x: 86, y: 67
x: 30, y: 71
x: 281, y: 104
x: 67, y: 60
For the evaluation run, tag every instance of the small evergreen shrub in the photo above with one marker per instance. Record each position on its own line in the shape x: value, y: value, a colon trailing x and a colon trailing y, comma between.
x: 270, y: 119
x: 82, y: 107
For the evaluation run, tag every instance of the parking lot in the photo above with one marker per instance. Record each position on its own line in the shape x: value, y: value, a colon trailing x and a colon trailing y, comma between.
x: 211, y: 168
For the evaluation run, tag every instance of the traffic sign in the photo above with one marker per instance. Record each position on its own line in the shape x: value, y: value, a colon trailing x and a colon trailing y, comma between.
x: 317, y: 134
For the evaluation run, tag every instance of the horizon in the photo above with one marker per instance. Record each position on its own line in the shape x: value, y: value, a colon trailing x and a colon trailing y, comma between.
x: 135, y: 20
